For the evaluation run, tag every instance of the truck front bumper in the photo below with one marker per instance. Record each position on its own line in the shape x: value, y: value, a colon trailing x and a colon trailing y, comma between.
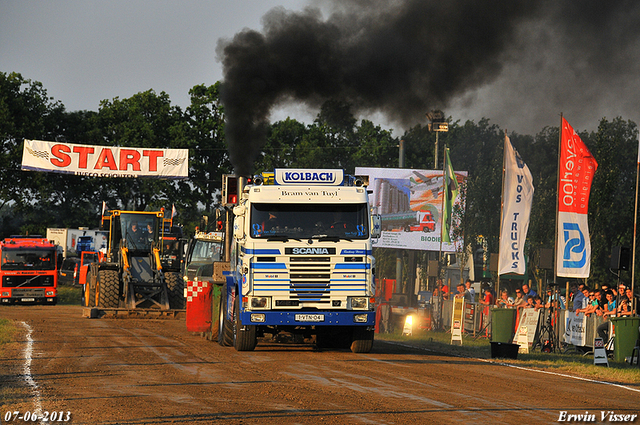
x: 308, y: 318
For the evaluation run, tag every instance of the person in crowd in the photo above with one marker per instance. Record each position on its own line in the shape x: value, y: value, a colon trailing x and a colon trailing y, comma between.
x: 444, y: 289
x: 519, y: 299
x: 630, y: 297
x: 505, y: 301
x: 581, y: 299
x: 459, y: 291
x: 537, y: 303
x: 610, y: 308
x: 624, y: 307
x: 591, y: 303
x: 469, y: 293
x: 487, y: 300
x: 610, y: 311
x: 528, y: 291
x: 529, y: 304
x: 554, y: 299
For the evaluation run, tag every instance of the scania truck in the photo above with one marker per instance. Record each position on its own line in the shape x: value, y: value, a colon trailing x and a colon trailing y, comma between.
x: 300, y: 260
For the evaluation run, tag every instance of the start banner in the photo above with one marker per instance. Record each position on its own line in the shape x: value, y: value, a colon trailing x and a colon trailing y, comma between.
x: 104, y: 161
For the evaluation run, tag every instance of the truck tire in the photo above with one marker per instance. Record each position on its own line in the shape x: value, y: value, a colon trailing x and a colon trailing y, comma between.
x: 225, y: 327
x: 362, y: 341
x: 175, y: 290
x: 108, y: 289
x: 244, y: 337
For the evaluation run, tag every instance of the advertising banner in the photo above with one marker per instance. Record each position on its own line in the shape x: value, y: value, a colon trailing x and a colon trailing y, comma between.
x: 410, y: 205
x: 576, y: 170
x: 517, y: 199
x: 104, y: 161
x: 576, y: 329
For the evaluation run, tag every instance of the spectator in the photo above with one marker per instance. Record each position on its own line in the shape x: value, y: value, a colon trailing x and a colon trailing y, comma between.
x: 528, y: 291
x: 519, y: 300
x: 529, y: 304
x: 487, y: 300
x: 580, y: 299
x: 469, y: 293
x: 610, y: 311
x: 554, y: 300
x: 505, y: 301
x: 459, y: 291
x: 624, y: 309
x: 629, y: 294
x: 445, y: 290
x: 537, y: 303
x: 610, y: 308
x: 587, y: 304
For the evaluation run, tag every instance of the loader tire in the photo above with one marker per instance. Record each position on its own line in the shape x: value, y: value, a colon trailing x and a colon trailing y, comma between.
x: 90, y: 290
x: 362, y: 340
x: 175, y: 290
x: 108, y: 289
x: 225, y: 327
x: 244, y: 337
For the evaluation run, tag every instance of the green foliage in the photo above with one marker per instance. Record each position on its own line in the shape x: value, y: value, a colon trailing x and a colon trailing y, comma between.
x: 32, y: 201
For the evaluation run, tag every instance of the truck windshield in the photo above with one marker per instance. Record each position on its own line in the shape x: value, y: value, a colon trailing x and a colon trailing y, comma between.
x: 28, y: 259
x: 303, y: 221
x: 206, y: 251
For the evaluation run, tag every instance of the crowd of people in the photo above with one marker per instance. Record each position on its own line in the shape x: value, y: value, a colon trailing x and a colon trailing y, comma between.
x: 606, y: 301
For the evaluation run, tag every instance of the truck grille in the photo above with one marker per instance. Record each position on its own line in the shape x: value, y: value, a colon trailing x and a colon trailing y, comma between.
x: 27, y: 293
x: 28, y: 281
x: 310, y: 279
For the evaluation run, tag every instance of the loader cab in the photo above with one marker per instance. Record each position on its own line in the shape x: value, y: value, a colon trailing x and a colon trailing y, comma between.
x: 139, y: 232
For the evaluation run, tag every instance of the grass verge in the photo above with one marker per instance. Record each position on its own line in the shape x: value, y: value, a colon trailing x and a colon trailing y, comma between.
x: 569, y: 363
x: 69, y: 295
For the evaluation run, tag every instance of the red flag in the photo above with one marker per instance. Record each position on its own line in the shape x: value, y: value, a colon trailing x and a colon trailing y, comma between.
x: 577, y: 167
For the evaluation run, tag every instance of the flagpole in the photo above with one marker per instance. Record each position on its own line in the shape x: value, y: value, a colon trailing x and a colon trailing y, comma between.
x: 635, y: 223
x: 444, y: 188
x: 504, y: 161
x: 555, y: 250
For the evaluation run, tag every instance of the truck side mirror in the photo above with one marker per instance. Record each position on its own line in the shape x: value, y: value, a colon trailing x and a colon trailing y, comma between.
x: 376, y: 226
x: 238, y: 227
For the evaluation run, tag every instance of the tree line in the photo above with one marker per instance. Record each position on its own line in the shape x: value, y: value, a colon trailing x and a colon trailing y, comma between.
x: 32, y: 201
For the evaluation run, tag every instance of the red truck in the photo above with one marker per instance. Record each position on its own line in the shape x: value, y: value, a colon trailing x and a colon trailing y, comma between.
x: 28, y: 270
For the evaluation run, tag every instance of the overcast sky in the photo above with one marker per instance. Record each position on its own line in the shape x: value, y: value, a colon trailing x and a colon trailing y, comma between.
x: 84, y: 51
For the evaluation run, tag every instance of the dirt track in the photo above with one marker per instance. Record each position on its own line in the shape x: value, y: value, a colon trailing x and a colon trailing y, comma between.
x: 124, y: 371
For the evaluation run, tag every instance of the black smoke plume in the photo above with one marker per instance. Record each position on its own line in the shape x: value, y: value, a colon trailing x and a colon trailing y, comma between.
x: 405, y: 57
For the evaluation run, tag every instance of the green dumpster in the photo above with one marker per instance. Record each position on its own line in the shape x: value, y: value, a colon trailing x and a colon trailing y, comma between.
x: 503, y: 322
x: 626, y: 330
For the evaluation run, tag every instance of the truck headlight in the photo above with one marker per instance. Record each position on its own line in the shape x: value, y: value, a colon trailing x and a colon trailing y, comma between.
x: 257, y: 317
x: 357, y: 303
x: 5, y: 294
x: 261, y: 302
x: 50, y: 293
x: 360, y: 318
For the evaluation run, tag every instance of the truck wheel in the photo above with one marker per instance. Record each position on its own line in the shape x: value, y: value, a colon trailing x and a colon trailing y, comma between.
x: 362, y: 341
x: 175, y: 289
x: 225, y: 327
x: 244, y: 337
x: 426, y: 229
x: 108, y: 289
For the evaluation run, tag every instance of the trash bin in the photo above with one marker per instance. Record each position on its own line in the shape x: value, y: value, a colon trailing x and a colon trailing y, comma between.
x: 626, y: 330
x: 198, y: 306
x: 503, y: 322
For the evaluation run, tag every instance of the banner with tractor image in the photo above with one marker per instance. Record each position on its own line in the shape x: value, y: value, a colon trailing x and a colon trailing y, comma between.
x: 410, y: 206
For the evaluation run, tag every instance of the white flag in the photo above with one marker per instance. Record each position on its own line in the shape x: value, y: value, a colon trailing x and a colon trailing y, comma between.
x: 517, y: 199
